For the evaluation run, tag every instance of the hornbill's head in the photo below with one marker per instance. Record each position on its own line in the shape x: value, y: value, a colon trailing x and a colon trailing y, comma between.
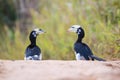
x: 77, y: 29
x: 35, y: 32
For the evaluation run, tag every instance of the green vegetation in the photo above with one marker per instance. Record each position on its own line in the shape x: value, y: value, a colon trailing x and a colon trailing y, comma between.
x: 99, y: 18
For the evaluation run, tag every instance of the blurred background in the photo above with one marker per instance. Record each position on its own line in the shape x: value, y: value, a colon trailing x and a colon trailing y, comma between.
x: 99, y: 18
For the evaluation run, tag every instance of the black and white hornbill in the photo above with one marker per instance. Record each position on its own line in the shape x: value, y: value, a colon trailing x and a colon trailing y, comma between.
x: 82, y: 51
x: 33, y: 52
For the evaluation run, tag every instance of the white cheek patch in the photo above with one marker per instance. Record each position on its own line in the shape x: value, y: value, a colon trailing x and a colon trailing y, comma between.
x: 79, y: 31
x: 34, y: 34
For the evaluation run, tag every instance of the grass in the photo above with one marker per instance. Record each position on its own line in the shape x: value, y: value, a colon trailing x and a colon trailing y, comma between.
x: 57, y: 43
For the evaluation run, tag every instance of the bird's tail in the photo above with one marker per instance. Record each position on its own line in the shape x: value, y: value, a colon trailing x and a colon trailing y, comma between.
x: 97, y: 58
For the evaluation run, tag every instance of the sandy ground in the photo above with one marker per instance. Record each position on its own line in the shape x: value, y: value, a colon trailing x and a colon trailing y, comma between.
x: 59, y: 70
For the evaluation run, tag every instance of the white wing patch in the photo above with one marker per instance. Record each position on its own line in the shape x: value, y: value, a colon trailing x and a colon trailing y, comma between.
x: 40, y: 57
x: 79, y: 57
x: 35, y: 57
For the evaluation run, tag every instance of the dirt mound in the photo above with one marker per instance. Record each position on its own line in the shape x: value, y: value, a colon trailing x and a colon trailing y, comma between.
x: 59, y: 70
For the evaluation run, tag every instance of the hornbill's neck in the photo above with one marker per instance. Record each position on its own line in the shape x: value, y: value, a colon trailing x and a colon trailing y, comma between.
x: 79, y: 40
x: 81, y: 34
x: 33, y: 42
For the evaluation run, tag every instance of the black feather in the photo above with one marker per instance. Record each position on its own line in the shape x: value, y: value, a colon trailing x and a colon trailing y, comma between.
x: 82, y: 48
x: 32, y: 50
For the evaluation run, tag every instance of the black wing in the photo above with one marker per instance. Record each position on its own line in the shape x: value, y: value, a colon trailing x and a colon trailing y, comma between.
x: 32, y: 51
x: 83, y: 50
